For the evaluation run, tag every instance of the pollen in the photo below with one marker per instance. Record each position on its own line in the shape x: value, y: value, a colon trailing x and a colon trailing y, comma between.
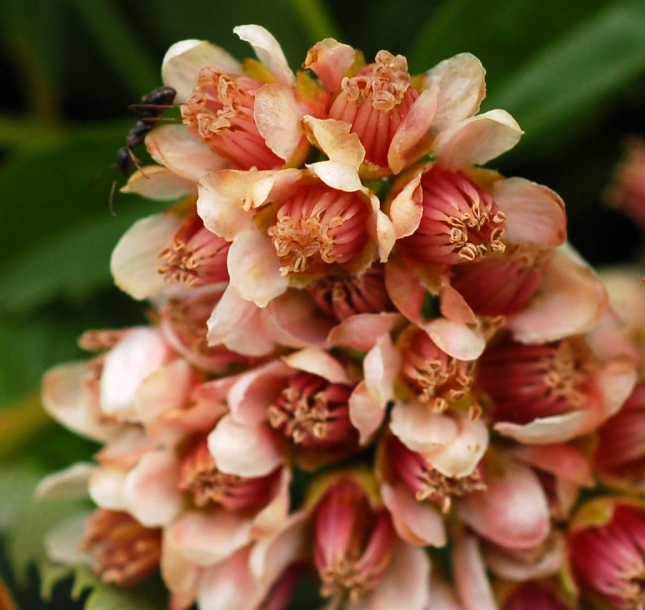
x: 319, y: 227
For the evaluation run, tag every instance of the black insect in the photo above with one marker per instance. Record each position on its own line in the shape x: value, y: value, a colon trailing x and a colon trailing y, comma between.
x: 152, y: 106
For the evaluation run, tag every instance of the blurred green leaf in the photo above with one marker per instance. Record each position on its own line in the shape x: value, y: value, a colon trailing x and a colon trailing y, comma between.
x: 148, y: 595
x: 316, y: 19
x: 18, y: 483
x: 503, y: 35
x: 121, y: 44
x: 586, y: 65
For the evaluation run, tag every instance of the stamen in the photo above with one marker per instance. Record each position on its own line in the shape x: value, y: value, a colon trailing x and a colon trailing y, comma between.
x: 313, y: 412
x: 123, y: 551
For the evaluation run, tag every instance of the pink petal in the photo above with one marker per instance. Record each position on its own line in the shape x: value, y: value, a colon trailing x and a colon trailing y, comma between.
x: 417, y: 523
x: 293, y: 320
x: 135, y: 259
x: 361, y: 331
x: 547, y: 430
x: 179, y: 574
x: 405, y: 581
x: 534, y: 213
x: 411, y: 139
x: 476, y: 140
x: 151, y: 490
x: 248, y: 451
x: 406, y: 291
x: 318, y: 362
x: 616, y: 381
x: 182, y: 153
x: 268, y: 51
x: 330, y: 61
x: 419, y: 429
x: 68, y: 402
x: 454, y: 307
x: 470, y: 575
x: 237, y: 324
x: 571, y: 300
x: 159, y: 183
x: 365, y: 412
x: 254, y: 268
x: 513, y: 511
x: 455, y: 338
x: 207, y: 537
x: 462, y: 88
x: 229, y: 585
x: 183, y: 60
x: 274, y: 515
x: 278, y: 119
x: 561, y: 460
x: 165, y: 390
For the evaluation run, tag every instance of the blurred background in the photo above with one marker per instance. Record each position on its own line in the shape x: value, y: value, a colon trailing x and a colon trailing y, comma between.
x: 572, y: 74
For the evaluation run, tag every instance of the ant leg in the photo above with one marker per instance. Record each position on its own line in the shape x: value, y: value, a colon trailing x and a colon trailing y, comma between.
x: 136, y: 162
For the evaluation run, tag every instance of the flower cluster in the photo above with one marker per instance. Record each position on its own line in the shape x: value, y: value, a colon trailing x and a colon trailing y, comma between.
x: 363, y: 346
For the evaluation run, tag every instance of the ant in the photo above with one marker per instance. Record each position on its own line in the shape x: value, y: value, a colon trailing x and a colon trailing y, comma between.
x: 150, y: 108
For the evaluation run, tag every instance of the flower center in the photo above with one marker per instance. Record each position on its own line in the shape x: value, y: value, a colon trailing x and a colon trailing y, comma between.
x: 436, y: 378
x: 318, y: 227
x: 343, y: 295
x: 527, y: 382
x: 313, y: 412
x: 122, y: 551
x: 196, y: 256
x: 207, y: 485
x: 220, y: 113
x: 460, y: 223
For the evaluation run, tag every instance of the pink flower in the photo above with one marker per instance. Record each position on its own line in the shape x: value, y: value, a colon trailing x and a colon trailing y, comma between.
x: 607, y: 551
x: 551, y: 393
x: 534, y: 596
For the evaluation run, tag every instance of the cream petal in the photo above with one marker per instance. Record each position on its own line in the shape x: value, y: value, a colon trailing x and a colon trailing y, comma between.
x: 208, y: 537
x: 561, y: 460
x: 405, y: 581
x: 63, y: 543
x: 70, y: 482
x: 460, y: 457
x: 513, y: 511
x: 335, y: 140
x: 337, y: 175
x: 534, y: 213
x: 68, y: 402
x: 380, y: 368
x: 361, y: 331
x: 151, y: 490
x: 382, y: 231
x: 454, y: 307
x: 158, y: 183
x: 254, y: 268
x: 365, y: 412
x: 330, y: 60
x: 462, y: 88
x: 135, y: 259
x: 547, y: 430
x: 616, y: 381
x: 237, y: 324
x: 165, y: 390
x: 274, y: 515
x: 470, y: 575
x: 139, y: 354
x: 254, y: 391
x: 318, y: 362
x: 406, y: 209
x: 571, y: 300
x: 411, y: 139
x: 419, y: 429
x: 106, y: 487
x: 404, y: 288
x: 278, y: 119
x: 417, y: 523
x: 184, y: 59
x: 456, y: 339
x: 247, y: 451
x: 292, y: 320
x: 268, y: 51
x: 179, y: 574
x: 182, y: 153
x: 476, y: 140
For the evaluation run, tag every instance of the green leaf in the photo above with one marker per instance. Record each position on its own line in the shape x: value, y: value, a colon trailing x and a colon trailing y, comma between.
x: 148, y: 595
x: 17, y: 483
x: 586, y: 65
